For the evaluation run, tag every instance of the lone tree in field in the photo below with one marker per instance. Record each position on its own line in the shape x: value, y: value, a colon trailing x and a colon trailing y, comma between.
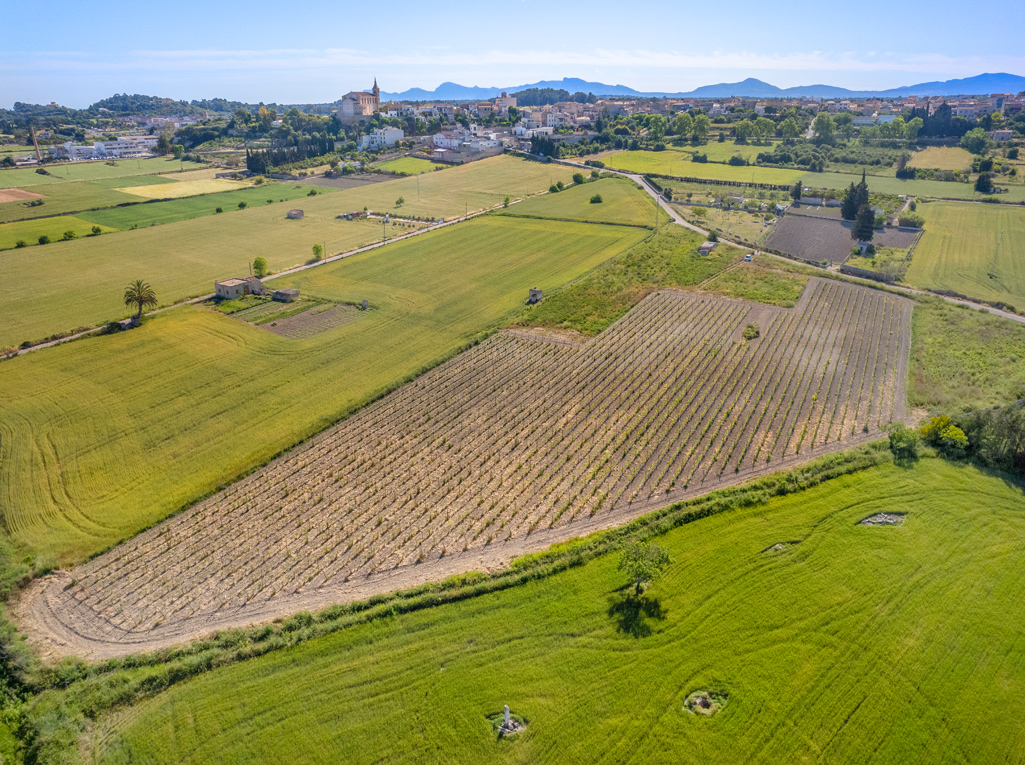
x: 260, y: 267
x: 318, y: 251
x: 643, y: 563
x: 864, y: 224
x: 140, y: 294
x: 795, y: 192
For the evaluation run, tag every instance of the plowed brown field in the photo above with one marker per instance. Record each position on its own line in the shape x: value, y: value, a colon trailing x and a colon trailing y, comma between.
x: 510, y: 446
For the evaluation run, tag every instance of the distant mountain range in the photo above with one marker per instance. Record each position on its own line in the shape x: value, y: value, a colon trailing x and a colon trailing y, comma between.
x: 749, y: 88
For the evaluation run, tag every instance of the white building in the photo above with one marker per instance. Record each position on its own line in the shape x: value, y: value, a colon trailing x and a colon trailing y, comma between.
x: 381, y: 138
x: 450, y: 139
x: 125, y: 147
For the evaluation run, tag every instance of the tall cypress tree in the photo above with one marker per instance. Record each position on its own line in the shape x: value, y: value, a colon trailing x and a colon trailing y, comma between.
x: 849, y: 208
x: 864, y: 224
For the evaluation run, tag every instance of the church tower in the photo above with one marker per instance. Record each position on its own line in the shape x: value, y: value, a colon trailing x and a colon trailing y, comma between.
x: 377, y: 95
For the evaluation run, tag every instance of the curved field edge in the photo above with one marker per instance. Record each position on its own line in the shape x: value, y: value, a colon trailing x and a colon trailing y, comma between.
x: 818, y: 646
x: 81, y: 691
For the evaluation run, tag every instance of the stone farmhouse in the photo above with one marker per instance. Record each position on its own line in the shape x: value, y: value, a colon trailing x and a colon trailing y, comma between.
x: 237, y: 287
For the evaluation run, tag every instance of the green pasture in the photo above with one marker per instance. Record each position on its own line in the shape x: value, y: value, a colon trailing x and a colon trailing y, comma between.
x: 942, y: 158
x: 962, y: 357
x: 172, y: 211
x: 409, y: 166
x: 80, y: 283
x: 932, y: 189
x: 973, y: 249
x: 62, y: 198
x: 60, y: 172
x: 622, y: 202
x: 101, y: 437
x: 677, y: 163
x: 29, y: 231
x: 748, y: 282
x: 854, y: 644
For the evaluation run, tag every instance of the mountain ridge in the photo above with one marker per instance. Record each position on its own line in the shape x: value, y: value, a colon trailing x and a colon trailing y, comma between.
x: 1000, y: 82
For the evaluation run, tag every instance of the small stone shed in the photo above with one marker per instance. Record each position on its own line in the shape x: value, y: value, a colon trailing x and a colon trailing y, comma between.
x: 238, y: 286
x: 534, y: 296
x: 707, y: 247
x: 287, y: 295
x: 294, y: 215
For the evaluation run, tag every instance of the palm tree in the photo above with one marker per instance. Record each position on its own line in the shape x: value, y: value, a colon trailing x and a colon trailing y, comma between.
x: 140, y: 294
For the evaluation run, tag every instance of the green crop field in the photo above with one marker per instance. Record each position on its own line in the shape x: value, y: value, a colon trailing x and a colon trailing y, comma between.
x: 409, y: 166
x: 29, y: 231
x: 622, y: 202
x: 674, y: 163
x: 933, y: 189
x: 100, y: 437
x: 62, y: 198
x: 852, y: 644
x: 61, y: 172
x: 964, y: 357
x: 942, y: 158
x: 142, y: 215
x: 749, y: 282
x: 183, y: 259
x: 973, y: 249
x: 184, y: 188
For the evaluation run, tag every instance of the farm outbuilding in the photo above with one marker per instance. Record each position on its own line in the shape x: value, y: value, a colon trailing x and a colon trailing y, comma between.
x: 287, y: 295
x: 707, y: 247
x: 294, y: 215
x: 237, y: 287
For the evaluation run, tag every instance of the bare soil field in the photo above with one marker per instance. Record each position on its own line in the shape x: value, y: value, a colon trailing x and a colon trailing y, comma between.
x: 313, y: 321
x: 17, y: 195
x: 819, y: 239
x: 520, y: 442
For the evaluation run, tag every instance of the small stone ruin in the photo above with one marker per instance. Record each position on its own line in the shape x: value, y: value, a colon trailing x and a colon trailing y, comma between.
x: 534, y: 296
x: 365, y: 305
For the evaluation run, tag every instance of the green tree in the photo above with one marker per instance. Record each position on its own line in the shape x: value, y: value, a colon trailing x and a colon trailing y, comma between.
x: 903, y: 441
x: 683, y: 124
x: 975, y: 140
x: 318, y: 251
x: 913, y: 128
x: 505, y: 202
x: 823, y: 128
x: 795, y: 191
x: 789, y: 129
x: 400, y: 201
x: 578, y: 178
x: 701, y: 127
x: 643, y: 563
x: 178, y: 151
x: 657, y: 126
x: 242, y: 205
x: 44, y: 239
x: 596, y: 199
x: 763, y: 128
x: 743, y: 130
x: 141, y: 295
x: 260, y: 265
x: 864, y: 224
x: 96, y: 231
x: 984, y: 183
x: 69, y: 235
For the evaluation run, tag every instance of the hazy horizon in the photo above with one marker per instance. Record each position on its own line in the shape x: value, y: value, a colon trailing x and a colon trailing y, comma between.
x: 280, y: 55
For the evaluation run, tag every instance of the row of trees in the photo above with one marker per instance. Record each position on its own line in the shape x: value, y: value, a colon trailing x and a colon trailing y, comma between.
x: 259, y: 162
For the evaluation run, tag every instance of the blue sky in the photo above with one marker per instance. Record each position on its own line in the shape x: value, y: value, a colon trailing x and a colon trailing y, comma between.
x: 76, y: 53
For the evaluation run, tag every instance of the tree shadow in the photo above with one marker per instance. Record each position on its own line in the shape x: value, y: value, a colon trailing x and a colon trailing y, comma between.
x: 635, y: 614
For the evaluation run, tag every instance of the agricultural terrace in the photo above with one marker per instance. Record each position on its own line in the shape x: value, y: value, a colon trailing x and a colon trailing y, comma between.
x: 673, y: 163
x: 183, y: 259
x: 827, y: 239
x: 510, y: 446
x: 409, y: 166
x: 622, y: 202
x: 86, y: 454
x: 931, y: 189
x: 795, y: 639
x: 975, y: 250
x: 942, y: 158
x: 29, y: 231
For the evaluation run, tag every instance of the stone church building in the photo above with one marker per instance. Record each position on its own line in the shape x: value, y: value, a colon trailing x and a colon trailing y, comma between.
x: 359, y: 105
